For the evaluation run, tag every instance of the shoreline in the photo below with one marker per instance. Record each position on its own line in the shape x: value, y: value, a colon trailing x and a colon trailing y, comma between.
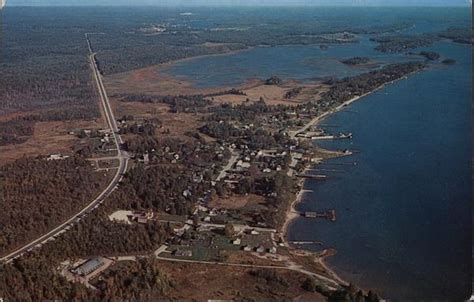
x: 291, y: 213
x: 170, y: 64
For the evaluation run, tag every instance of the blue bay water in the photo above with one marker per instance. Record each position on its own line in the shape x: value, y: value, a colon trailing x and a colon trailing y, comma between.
x: 289, y: 62
x: 404, y: 209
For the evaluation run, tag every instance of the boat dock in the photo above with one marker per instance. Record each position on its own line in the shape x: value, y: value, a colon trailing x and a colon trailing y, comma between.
x: 329, y: 215
x: 306, y: 242
x: 315, y: 177
x: 328, y: 137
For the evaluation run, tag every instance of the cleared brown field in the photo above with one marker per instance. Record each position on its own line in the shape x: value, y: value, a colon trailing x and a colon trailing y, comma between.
x: 200, y: 282
x: 150, y: 80
x: 174, y: 125
x: 236, y: 201
x: 154, y: 81
x: 48, y: 138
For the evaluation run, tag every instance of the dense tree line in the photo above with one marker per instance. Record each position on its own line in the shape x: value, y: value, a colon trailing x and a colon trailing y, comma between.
x: 129, y: 45
x: 458, y: 35
x: 19, y: 130
x: 232, y: 91
x: 97, y: 235
x: 349, y: 293
x: 43, y: 67
x: 273, y: 80
x: 148, y: 128
x: 356, y: 61
x: 222, y: 130
x: 347, y: 88
x: 430, y: 55
x: 293, y: 92
x: 282, y: 186
x: 178, y: 103
x: 33, y: 278
x: 271, y: 277
x: 37, y: 194
x: 112, y: 61
x: 135, y: 281
x: 162, y: 188
x: 249, y: 112
x: 15, y: 131
x: 403, y: 43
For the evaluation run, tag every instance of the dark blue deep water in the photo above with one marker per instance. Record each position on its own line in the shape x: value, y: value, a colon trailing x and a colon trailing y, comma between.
x: 404, y: 210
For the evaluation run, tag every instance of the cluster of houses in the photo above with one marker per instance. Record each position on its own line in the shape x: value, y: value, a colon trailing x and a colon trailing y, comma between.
x: 141, y: 216
x: 257, y: 248
x: 57, y: 156
x: 101, y: 139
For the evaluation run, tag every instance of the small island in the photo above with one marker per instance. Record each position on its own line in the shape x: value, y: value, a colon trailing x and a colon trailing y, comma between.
x: 273, y: 80
x: 356, y: 61
x: 430, y: 55
x: 458, y: 35
x: 403, y: 43
x: 449, y: 62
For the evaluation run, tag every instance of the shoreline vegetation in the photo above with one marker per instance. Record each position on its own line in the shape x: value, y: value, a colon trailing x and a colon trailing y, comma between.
x: 292, y: 214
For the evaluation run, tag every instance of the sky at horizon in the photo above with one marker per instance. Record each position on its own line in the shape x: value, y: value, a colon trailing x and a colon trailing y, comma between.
x: 240, y: 2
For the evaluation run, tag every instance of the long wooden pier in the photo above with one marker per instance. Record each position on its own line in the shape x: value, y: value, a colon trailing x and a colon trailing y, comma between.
x: 329, y: 215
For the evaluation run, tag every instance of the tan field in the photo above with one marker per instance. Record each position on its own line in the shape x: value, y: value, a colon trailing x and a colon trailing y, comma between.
x: 236, y: 201
x: 177, y: 124
x: 154, y: 81
x: 48, y: 138
x: 199, y: 282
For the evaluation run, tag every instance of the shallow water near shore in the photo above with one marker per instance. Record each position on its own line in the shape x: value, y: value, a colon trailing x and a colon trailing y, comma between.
x: 296, y: 62
x: 404, y: 210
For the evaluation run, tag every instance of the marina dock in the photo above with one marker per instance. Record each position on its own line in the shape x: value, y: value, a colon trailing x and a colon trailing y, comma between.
x: 315, y: 177
x: 328, y: 137
x: 329, y: 215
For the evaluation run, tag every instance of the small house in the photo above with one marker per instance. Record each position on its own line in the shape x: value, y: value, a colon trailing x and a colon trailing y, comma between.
x: 272, y: 250
x: 183, y: 253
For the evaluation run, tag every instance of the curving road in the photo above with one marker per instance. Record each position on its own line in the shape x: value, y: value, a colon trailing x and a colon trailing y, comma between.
x: 122, y: 156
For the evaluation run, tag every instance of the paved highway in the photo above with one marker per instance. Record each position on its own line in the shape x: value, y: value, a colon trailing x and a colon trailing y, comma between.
x: 122, y: 157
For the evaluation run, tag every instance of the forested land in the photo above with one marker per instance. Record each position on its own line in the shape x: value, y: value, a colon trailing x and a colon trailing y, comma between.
x: 44, y: 71
x: 37, y: 195
x: 403, y: 43
x: 458, y: 35
x: 347, y: 88
x: 161, y: 36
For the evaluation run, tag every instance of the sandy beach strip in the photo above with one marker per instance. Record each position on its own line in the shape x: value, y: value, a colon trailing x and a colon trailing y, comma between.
x: 292, y: 213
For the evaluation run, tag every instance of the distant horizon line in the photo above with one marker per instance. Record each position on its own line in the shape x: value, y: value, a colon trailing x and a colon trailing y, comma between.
x: 467, y: 5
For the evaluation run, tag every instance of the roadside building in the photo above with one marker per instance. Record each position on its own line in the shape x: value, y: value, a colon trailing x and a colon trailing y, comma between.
x: 89, y: 266
x: 57, y: 157
x: 183, y: 253
x: 237, y: 241
x: 272, y: 250
x: 247, y: 248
